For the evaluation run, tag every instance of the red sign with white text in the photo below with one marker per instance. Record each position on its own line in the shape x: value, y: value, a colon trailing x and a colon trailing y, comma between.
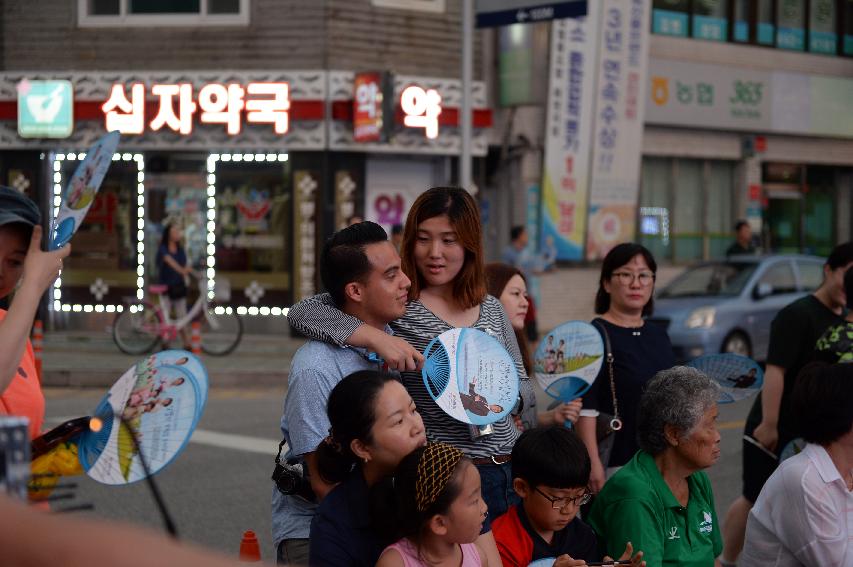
x: 216, y: 103
x: 368, y: 117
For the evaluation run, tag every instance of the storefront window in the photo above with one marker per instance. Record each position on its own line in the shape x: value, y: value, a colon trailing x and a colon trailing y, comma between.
x: 655, y: 219
x: 819, y: 221
x: 720, y: 210
x: 102, y: 268
x: 822, y: 36
x: 848, y: 27
x: 741, y: 20
x: 687, y: 221
x: 765, y: 29
x: 710, y: 19
x: 669, y: 17
x: 254, y: 230
x: 791, y: 17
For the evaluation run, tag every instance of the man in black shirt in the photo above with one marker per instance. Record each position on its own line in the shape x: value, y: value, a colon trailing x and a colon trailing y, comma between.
x: 743, y: 240
x: 769, y: 426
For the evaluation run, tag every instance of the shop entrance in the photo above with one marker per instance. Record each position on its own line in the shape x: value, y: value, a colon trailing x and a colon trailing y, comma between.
x: 800, y: 215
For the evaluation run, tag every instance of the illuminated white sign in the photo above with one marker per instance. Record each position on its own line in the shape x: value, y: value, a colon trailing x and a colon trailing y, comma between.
x: 421, y: 108
x: 267, y: 103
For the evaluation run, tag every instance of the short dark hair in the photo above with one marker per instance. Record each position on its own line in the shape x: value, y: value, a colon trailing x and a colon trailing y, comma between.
x: 551, y: 456
x: 817, y: 400
x: 618, y: 256
x: 397, y: 229
x: 343, y: 259
x: 740, y: 224
x: 840, y: 256
x: 516, y: 231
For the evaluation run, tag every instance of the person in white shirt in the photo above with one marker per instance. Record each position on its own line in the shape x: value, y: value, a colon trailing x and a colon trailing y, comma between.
x: 804, y: 514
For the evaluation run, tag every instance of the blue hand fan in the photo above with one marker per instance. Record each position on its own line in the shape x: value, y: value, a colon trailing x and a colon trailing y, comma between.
x: 568, y: 360
x: 471, y: 376
x: 544, y: 562
x: 82, y: 188
x: 160, y: 403
x: 739, y: 377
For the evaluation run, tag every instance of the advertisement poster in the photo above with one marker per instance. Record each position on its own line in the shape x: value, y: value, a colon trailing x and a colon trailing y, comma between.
x: 569, y: 119
x: 617, y: 138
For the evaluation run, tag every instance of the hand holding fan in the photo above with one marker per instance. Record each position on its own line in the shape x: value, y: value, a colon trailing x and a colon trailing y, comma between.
x: 470, y: 376
x: 82, y: 188
x: 739, y: 377
x: 567, y: 361
x: 160, y: 399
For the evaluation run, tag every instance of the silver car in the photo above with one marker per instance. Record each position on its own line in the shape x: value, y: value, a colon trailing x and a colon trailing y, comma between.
x: 727, y: 305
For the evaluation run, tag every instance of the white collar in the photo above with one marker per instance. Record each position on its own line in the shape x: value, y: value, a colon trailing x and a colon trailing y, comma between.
x: 823, y: 463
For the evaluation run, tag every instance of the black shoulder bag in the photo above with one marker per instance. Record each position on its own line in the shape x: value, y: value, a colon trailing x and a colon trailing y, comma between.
x: 606, y: 424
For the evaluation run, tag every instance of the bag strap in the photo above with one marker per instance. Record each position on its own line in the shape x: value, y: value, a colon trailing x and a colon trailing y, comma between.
x: 609, y: 359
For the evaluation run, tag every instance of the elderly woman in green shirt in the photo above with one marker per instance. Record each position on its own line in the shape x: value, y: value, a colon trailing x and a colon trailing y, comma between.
x: 662, y: 501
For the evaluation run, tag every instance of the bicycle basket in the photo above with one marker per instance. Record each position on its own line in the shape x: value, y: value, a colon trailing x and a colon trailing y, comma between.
x: 222, y: 289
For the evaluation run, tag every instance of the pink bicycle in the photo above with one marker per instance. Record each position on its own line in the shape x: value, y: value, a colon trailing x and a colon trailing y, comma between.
x: 142, y: 325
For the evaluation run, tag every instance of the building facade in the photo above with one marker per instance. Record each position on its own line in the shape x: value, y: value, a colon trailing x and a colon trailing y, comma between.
x: 746, y: 115
x: 260, y: 126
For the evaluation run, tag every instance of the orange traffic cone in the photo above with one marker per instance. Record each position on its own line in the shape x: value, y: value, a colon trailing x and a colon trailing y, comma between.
x: 38, y: 346
x: 250, y: 551
x: 195, y: 339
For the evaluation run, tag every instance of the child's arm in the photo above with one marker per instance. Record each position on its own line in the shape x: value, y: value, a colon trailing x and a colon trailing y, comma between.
x: 40, y: 270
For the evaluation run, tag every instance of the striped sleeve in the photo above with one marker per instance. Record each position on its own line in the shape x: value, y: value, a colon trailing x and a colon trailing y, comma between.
x: 318, y: 318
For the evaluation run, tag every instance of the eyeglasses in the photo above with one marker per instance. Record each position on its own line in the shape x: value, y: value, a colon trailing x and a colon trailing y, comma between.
x: 627, y: 278
x: 564, y: 502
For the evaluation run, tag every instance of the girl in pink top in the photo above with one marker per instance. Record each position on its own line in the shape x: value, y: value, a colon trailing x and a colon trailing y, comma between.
x: 435, y: 507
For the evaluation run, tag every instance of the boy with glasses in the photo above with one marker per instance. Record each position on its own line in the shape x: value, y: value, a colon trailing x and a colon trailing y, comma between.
x: 550, y: 469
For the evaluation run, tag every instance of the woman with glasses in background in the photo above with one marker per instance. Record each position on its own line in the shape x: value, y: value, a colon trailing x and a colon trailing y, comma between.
x: 639, y: 350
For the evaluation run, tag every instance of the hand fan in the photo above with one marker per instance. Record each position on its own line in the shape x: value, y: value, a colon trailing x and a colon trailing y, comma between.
x: 471, y: 376
x: 82, y: 188
x: 161, y: 399
x: 739, y: 377
x: 567, y: 360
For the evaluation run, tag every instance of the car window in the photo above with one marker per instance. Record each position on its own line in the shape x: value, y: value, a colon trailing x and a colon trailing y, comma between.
x: 725, y: 278
x: 811, y: 274
x: 780, y: 277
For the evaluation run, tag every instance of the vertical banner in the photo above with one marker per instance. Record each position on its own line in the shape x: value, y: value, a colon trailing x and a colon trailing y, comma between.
x: 345, y: 190
x: 305, y: 187
x: 568, y: 127
x: 618, y: 136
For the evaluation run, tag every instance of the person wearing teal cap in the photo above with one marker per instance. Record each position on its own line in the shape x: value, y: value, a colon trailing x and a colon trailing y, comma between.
x: 661, y: 500
x: 25, y: 267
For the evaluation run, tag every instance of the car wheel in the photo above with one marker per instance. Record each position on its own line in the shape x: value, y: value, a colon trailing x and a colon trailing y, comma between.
x: 737, y: 343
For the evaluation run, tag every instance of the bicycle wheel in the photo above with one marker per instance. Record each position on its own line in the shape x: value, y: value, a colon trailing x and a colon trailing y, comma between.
x: 136, y: 333
x: 220, y: 334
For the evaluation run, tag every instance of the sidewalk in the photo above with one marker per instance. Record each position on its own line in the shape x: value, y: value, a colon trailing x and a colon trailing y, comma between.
x: 88, y: 359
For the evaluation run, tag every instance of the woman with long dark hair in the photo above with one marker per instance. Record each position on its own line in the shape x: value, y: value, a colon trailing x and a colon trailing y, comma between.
x: 374, y: 424
x: 640, y: 349
x: 174, y: 272
x: 509, y: 285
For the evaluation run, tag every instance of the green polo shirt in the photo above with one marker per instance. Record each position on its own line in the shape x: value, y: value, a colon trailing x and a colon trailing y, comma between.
x: 636, y: 505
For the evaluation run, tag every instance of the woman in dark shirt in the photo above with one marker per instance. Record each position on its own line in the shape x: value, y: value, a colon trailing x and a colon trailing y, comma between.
x: 374, y: 424
x: 174, y: 271
x: 639, y: 349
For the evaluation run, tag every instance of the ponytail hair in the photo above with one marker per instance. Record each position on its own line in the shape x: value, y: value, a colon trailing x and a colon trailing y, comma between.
x: 351, y: 411
x: 426, y: 483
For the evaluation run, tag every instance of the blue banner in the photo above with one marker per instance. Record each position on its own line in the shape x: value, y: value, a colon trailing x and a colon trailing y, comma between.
x: 707, y: 27
x: 822, y: 42
x: 765, y: 33
x: 667, y: 22
x: 791, y: 38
